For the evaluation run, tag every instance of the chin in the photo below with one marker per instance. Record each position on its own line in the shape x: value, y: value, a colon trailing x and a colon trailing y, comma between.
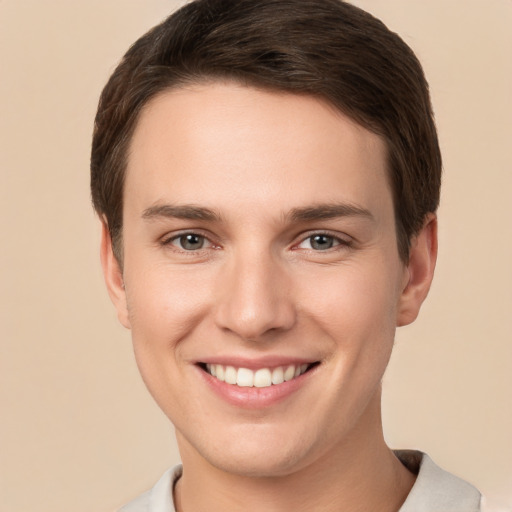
x: 257, y: 465
x: 259, y: 453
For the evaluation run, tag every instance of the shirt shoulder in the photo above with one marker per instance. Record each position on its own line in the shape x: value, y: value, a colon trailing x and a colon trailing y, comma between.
x: 436, y: 489
x: 159, y: 498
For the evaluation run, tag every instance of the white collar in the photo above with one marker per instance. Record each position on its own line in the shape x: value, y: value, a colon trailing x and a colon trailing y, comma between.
x: 434, y: 489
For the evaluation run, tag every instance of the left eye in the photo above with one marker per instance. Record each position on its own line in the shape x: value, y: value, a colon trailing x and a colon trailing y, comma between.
x: 320, y: 242
x: 189, y: 242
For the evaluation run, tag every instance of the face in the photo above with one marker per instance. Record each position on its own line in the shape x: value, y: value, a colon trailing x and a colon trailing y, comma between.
x: 261, y: 277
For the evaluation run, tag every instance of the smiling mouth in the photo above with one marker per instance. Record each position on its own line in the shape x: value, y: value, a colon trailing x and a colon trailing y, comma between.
x: 260, y: 378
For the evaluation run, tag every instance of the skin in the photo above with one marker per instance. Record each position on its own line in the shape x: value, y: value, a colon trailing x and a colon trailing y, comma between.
x: 260, y: 287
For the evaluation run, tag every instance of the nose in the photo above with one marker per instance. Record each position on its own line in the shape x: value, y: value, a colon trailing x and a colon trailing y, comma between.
x: 254, y: 297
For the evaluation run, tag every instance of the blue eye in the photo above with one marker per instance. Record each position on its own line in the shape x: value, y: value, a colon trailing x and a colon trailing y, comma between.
x: 189, y: 242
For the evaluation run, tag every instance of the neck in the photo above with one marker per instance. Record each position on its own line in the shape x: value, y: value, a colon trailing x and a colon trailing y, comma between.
x: 359, y: 474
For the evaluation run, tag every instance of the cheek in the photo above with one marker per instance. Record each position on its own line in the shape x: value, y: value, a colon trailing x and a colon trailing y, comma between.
x: 359, y: 318
x: 358, y: 295
x: 164, y: 306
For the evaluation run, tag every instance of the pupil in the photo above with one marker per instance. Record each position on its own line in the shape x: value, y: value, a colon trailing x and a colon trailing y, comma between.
x: 191, y: 242
x: 321, y: 242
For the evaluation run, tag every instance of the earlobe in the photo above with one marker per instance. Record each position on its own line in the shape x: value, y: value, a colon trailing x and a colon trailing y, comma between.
x: 420, y: 271
x: 113, y: 276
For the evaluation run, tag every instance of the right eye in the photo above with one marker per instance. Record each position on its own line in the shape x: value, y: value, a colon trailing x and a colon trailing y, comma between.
x: 189, y: 242
x: 321, y: 242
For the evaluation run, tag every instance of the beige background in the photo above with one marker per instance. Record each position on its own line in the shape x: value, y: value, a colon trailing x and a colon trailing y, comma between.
x: 78, y: 431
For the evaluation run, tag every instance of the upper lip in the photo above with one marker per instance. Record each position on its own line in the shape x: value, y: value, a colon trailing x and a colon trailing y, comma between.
x: 254, y: 363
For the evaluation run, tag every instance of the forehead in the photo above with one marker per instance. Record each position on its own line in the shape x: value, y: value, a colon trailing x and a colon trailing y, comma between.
x: 230, y: 144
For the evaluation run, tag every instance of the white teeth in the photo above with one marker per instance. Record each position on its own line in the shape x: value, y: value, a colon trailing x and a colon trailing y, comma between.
x: 277, y: 375
x: 262, y: 378
x: 230, y: 375
x: 245, y: 378
x: 289, y: 373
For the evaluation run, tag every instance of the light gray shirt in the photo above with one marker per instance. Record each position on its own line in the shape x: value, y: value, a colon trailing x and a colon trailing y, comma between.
x: 435, y: 490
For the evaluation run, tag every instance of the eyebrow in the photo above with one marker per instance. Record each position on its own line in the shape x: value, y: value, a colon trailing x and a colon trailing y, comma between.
x: 303, y: 214
x: 328, y: 211
x: 186, y: 211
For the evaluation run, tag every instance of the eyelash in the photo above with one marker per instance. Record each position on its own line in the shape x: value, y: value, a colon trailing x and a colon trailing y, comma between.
x: 339, y: 242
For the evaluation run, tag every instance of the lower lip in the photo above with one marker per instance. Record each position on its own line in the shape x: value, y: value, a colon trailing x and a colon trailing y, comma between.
x: 253, y: 397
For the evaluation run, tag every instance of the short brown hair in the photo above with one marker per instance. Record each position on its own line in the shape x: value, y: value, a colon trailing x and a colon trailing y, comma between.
x: 324, y: 48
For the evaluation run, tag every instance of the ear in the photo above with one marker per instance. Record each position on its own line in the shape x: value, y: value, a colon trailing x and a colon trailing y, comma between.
x: 419, y: 272
x: 113, y: 276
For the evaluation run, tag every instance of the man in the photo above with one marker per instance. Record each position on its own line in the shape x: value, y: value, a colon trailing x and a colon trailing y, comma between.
x: 267, y: 175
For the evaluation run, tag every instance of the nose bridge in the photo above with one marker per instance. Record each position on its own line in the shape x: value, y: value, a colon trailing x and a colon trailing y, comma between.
x: 254, y: 294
